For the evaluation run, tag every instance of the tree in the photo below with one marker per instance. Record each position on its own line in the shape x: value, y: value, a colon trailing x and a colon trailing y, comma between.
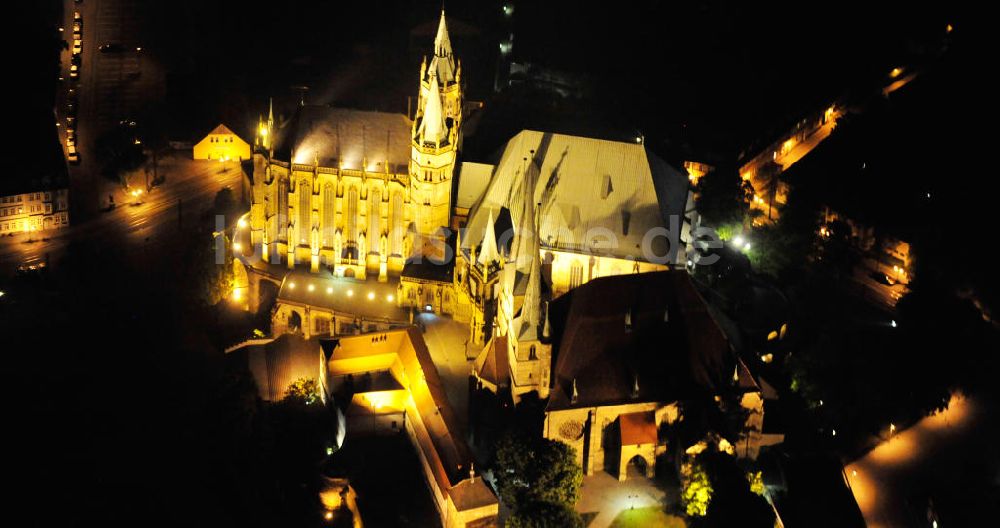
x: 535, y: 469
x: 118, y: 153
x: 724, y: 197
x: 302, y: 391
x: 545, y: 515
x: 696, y: 489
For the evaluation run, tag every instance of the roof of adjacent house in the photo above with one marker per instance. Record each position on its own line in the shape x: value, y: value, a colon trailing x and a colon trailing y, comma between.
x: 638, y: 428
x: 672, y: 349
x: 276, y: 363
x: 345, y: 138
x: 584, y: 187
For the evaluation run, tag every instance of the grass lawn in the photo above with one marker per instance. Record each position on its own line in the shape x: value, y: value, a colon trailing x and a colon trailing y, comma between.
x: 650, y: 517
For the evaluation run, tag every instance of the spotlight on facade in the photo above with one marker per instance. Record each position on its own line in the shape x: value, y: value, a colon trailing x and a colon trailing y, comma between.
x: 329, y: 290
x: 311, y: 287
x: 242, y: 223
x: 350, y: 293
x: 390, y: 297
x: 429, y: 308
x: 371, y: 295
x: 291, y: 285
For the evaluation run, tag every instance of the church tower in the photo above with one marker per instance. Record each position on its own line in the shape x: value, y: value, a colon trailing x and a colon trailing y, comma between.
x: 436, y: 136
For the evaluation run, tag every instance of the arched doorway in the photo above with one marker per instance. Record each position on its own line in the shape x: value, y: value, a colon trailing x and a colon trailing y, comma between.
x: 637, y: 467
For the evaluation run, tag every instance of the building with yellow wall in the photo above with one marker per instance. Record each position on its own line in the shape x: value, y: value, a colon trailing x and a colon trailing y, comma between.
x: 27, y: 212
x: 222, y: 144
x: 393, y: 385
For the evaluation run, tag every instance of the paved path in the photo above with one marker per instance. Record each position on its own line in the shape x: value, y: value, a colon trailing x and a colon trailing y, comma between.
x: 603, y: 494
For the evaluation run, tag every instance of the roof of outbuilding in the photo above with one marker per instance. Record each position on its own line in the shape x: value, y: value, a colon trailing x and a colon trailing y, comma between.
x: 638, y: 428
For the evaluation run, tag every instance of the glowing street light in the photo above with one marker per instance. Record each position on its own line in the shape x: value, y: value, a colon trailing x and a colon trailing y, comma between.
x: 242, y: 223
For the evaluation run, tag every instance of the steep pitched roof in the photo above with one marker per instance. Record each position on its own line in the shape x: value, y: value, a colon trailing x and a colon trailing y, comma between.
x: 673, y: 347
x: 585, y: 186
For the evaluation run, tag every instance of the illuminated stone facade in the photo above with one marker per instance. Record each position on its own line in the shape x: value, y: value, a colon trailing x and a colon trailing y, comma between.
x: 34, y: 211
x: 356, y: 192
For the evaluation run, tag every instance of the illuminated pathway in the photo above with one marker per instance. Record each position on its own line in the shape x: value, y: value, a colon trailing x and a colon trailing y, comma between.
x: 913, y: 462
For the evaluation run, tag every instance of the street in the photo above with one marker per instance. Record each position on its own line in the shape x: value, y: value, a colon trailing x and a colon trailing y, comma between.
x: 133, y: 225
x: 112, y: 86
x: 893, y: 481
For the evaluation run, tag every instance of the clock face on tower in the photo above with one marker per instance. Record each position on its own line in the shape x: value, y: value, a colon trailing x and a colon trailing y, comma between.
x: 571, y: 430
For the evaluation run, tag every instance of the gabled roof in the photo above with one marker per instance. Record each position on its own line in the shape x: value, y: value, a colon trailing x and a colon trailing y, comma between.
x: 572, y: 182
x: 673, y: 350
x: 221, y: 129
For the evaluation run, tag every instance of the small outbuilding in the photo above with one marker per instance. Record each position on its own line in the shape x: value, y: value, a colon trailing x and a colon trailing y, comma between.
x: 222, y: 144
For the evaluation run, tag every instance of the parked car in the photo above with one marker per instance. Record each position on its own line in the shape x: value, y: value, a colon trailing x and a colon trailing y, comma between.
x: 73, y: 155
x: 77, y: 17
x: 74, y: 71
x: 77, y: 46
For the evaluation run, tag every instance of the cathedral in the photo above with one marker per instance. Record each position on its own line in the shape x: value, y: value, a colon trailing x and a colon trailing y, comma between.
x: 357, y: 192
x: 347, y: 201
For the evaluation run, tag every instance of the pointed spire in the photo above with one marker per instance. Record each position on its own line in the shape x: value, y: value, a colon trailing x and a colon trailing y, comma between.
x: 635, y: 386
x: 527, y: 235
x: 443, y: 61
x: 576, y: 395
x: 442, y: 44
x: 432, y: 127
x: 489, y: 254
